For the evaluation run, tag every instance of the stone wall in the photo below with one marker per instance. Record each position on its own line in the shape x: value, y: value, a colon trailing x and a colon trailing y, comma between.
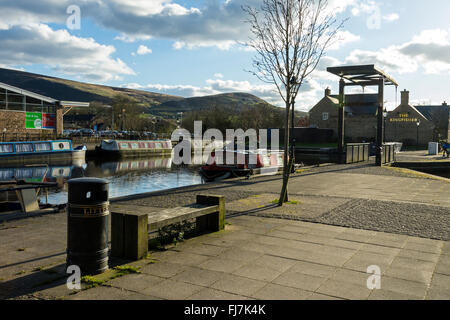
x: 14, y: 123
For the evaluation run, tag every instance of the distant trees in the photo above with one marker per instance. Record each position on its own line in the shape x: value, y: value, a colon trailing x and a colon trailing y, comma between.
x: 261, y: 116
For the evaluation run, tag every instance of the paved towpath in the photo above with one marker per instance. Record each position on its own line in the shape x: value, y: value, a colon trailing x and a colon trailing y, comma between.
x: 342, y: 220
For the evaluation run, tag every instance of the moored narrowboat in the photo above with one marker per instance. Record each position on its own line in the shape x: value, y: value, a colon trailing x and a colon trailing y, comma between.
x: 268, y: 162
x: 33, y: 152
x: 124, y: 149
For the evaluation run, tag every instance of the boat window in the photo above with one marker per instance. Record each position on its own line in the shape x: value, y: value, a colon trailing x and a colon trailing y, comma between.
x: 43, y: 146
x: 24, y: 147
x: 6, y: 148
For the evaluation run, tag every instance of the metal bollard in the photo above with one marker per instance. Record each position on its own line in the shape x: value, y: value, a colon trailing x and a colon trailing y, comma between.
x: 87, y: 225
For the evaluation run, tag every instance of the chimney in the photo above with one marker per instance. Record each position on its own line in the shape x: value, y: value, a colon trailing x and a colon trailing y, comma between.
x: 405, y: 98
x: 444, y: 104
x: 327, y: 92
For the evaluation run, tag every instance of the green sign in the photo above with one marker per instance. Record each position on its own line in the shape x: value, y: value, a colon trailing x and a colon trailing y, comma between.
x: 33, y: 120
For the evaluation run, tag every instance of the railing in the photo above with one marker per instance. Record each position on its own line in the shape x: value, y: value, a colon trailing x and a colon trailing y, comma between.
x: 389, y: 150
x: 357, y: 152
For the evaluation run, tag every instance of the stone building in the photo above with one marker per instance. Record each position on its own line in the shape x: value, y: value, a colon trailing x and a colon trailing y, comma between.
x: 411, y: 125
x: 414, y: 125
x: 360, y: 116
x: 23, y: 111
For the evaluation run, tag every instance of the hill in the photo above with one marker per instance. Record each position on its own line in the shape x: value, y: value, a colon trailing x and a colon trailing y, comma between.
x: 154, y: 103
x: 62, y: 89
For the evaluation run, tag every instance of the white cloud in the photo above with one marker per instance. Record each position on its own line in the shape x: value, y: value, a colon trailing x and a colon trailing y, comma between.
x: 143, y: 50
x: 215, y: 24
x: 61, y: 51
x: 342, y: 38
x: 428, y: 51
x: 130, y: 39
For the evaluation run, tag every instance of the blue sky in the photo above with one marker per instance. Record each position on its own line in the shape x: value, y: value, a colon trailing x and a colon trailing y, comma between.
x: 188, y: 47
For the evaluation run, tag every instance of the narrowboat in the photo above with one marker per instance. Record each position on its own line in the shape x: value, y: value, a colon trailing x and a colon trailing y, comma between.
x: 124, y: 149
x: 38, y: 152
x: 268, y: 162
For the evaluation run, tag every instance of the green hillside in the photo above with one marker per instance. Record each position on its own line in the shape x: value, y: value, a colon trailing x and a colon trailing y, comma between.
x: 153, y: 103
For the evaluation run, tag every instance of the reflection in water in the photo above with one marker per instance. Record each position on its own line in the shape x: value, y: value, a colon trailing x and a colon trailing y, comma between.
x: 127, y: 177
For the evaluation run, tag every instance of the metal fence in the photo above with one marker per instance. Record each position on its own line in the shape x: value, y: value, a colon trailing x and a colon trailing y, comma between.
x: 357, y: 152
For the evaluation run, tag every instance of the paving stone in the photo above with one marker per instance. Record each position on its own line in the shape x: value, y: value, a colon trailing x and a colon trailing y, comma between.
x: 212, y: 294
x: 276, y: 263
x: 257, y: 272
x: 344, y: 290
x: 163, y: 269
x: 350, y: 276
x: 299, y: 280
x: 238, y: 285
x: 135, y: 282
x: 412, y: 288
x: 185, y: 258
x: 410, y: 274
x: 390, y: 295
x: 202, y: 249
x: 419, y: 255
x: 421, y: 265
x: 433, y: 248
x: 103, y: 293
x: 441, y: 281
x: 374, y: 248
x: 240, y: 255
x: 313, y: 269
x: 362, y: 260
x: 318, y: 296
x: 198, y: 276
x: 438, y: 293
x: 172, y: 290
x: 443, y: 268
x: 222, y: 265
x: 277, y: 292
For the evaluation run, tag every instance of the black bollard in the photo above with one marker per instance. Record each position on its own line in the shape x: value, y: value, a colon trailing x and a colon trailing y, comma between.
x: 87, y: 225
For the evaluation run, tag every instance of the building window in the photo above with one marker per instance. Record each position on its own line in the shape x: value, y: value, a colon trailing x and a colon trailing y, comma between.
x: 325, y: 116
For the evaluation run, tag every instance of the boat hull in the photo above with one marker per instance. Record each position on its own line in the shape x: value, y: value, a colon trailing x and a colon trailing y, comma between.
x: 134, y: 149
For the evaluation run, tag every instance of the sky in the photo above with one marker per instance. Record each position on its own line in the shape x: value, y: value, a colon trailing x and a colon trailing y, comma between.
x: 194, y: 47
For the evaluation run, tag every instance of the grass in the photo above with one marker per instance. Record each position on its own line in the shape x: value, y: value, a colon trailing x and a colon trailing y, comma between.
x: 293, y: 202
x: 102, y: 279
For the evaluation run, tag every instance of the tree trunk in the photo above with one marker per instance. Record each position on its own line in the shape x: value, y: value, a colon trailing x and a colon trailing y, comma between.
x: 284, y: 192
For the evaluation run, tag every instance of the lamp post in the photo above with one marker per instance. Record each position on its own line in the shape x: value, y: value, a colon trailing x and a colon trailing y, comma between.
x: 418, y: 124
x: 385, y: 114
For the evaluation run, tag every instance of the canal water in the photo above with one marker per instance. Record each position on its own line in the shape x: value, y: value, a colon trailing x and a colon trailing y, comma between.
x: 126, y: 177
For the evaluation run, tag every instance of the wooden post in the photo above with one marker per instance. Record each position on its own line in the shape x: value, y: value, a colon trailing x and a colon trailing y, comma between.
x: 214, y: 222
x: 129, y: 235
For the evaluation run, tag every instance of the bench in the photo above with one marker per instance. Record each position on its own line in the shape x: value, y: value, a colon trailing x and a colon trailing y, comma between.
x: 130, y: 224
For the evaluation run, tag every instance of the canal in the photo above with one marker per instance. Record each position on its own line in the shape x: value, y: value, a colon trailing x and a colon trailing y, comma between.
x: 125, y: 177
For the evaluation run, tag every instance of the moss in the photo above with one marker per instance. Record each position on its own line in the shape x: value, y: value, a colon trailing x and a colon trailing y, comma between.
x: 293, y: 202
x: 38, y: 269
x: 92, y: 281
x: 20, y: 272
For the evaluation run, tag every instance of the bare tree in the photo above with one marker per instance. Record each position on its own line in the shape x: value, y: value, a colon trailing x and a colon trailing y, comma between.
x: 290, y: 38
